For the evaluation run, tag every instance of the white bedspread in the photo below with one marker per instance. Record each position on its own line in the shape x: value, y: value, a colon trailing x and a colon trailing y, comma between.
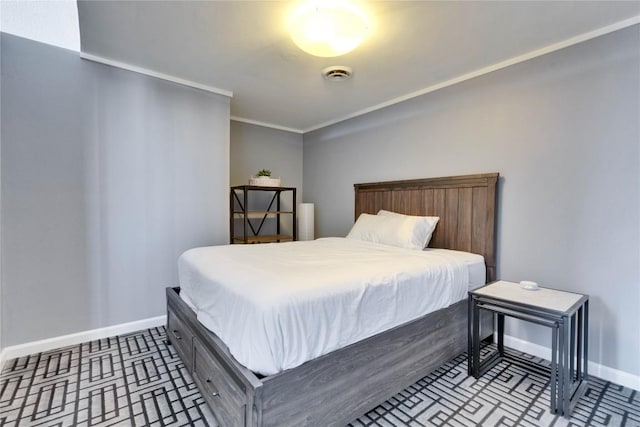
x: 277, y: 306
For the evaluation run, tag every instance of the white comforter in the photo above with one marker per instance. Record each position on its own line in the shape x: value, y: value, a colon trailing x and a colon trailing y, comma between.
x: 277, y: 306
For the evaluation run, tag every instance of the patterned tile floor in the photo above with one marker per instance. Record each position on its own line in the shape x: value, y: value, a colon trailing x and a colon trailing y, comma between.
x: 138, y: 380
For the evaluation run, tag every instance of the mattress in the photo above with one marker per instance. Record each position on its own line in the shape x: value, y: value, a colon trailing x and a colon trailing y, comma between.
x: 277, y: 306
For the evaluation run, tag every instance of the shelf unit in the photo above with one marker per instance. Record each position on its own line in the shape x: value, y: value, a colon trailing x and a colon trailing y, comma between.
x: 240, y: 198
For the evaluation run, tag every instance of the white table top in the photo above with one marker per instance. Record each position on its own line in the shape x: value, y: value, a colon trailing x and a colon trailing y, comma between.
x: 550, y: 299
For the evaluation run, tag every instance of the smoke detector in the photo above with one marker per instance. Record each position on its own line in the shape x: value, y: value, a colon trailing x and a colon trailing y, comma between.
x: 337, y: 73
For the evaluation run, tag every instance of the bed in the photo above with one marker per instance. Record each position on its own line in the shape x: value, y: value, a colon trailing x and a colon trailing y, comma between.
x: 337, y: 387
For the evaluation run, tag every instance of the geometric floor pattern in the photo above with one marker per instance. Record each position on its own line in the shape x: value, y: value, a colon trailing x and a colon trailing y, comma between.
x: 134, y: 379
x: 138, y: 380
x: 510, y: 394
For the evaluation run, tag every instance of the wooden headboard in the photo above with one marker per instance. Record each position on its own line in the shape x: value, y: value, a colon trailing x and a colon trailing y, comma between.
x: 465, y: 204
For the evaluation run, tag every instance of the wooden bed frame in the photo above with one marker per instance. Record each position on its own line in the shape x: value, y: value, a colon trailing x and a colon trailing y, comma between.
x: 338, y: 387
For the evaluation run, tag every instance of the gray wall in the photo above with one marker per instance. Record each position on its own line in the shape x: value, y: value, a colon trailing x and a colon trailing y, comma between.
x: 563, y: 131
x: 256, y: 147
x: 107, y: 176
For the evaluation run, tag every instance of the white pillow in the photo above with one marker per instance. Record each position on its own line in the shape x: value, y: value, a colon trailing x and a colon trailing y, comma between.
x: 429, y: 222
x: 396, y: 230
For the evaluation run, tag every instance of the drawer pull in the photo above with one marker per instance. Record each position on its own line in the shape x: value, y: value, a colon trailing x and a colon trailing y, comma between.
x: 213, y: 393
x: 175, y: 332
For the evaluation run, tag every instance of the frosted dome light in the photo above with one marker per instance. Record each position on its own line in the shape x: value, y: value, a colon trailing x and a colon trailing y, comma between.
x: 328, y: 28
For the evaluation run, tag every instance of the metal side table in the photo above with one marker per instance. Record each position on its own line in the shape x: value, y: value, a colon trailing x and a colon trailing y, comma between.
x: 566, y: 313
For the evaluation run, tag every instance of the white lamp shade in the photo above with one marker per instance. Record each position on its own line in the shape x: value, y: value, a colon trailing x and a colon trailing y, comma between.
x: 328, y: 28
x: 306, y: 221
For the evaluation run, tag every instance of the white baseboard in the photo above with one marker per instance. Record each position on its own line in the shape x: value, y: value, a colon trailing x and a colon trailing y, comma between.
x: 597, y: 370
x: 72, y: 339
x: 606, y: 373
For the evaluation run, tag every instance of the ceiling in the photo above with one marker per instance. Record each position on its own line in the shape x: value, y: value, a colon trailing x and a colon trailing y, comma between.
x: 414, y: 47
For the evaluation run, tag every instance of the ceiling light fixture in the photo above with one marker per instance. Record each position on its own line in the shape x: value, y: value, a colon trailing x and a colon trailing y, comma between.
x: 328, y: 27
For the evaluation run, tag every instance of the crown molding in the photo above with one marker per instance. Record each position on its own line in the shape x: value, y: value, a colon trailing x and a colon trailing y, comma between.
x: 468, y: 76
x: 489, y: 69
x: 151, y: 73
x: 266, y: 125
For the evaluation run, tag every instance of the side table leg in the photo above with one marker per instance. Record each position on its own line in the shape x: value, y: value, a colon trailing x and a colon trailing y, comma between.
x: 586, y: 340
x: 566, y: 389
x: 573, y: 348
x: 560, y: 367
x: 579, y: 334
x: 501, y: 334
x: 553, y: 395
x: 476, y: 340
x: 469, y: 335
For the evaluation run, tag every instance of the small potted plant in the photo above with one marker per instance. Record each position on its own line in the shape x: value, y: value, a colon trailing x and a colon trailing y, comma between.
x: 263, y: 179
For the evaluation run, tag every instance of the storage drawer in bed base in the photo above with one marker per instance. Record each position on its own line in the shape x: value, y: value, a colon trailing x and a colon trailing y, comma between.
x: 222, y: 393
x: 181, y: 338
x: 228, y: 387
